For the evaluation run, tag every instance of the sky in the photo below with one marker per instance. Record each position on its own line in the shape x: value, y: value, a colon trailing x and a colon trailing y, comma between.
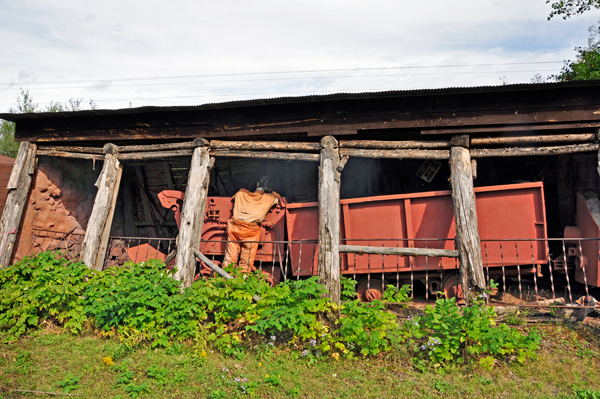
x: 121, y: 53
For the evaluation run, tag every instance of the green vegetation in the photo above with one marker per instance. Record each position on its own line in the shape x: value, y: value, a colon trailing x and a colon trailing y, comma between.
x: 133, y: 332
x: 141, y: 304
x: 570, y: 8
x: 50, y: 355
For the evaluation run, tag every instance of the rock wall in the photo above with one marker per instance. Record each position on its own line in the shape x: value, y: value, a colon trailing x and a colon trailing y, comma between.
x: 59, y: 205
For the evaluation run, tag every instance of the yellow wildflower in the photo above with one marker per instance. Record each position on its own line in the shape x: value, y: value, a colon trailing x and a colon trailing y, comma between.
x: 267, y: 375
x: 203, y: 354
x: 259, y: 364
x: 336, y: 356
x: 108, y: 361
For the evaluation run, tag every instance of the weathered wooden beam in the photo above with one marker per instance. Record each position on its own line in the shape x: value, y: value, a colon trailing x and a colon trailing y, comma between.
x: 467, y: 231
x: 539, y: 139
x: 15, y: 175
x: 531, y: 151
x: 289, y: 156
x: 534, y: 126
x: 393, y: 145
x: 155, y: 154
x: 73, y: 155
x: 65, y: 148
x: 108, y: 225
x: 157, y: 147
x: 19, y: 184
x: 264, y: 145
x: 99, y: 219
x: 192, y: 214
x: 329, y: 218
x: 360, y: 249
x: 395, y: 154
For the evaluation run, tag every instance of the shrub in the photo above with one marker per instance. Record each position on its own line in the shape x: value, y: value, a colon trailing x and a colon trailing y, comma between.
x: 45, y: 286
x: 447, y: 335
x: 142, y: 303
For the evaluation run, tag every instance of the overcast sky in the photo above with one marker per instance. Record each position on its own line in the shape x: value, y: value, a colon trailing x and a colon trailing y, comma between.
x: 123, y: 53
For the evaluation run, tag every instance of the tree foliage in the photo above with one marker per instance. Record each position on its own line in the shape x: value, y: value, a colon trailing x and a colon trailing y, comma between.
x: 25, y: 104
x: 569, y: 8
x: 586, y: 65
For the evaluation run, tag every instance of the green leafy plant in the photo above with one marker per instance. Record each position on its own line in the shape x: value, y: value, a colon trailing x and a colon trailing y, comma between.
x: 135, y: 391
x: 447, y: 335
x: 45, y: 286
x: 397, y: 295
x: 69, y: 383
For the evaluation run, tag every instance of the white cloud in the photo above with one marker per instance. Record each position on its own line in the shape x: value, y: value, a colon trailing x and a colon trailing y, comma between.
x: 87, y: 48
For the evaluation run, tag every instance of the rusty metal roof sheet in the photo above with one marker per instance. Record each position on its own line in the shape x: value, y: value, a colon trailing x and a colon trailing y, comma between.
x: 312, y: 99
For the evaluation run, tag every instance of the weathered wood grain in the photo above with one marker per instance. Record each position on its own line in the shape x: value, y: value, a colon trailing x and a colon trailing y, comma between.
x: 531, y: 151
x: 73, y: 155
x: 16, y: 200
x: 289, y: 156
x: 395, y: 154
x: 107, y: 189
x: 155, y: 154
x: 361, y: 249
x: 329, y: 218
x: 538, y: 139
x: 264, y: 145
x: 20, y: 161
x: 192, y: 214
x: 393, y: 145
x: 467, y: 231
x: 108, y: 225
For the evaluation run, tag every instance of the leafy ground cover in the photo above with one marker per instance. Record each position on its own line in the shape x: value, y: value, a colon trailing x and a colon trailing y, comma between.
x: 133, y: 331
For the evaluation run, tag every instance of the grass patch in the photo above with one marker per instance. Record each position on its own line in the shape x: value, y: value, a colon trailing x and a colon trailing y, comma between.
x: 54, y: 361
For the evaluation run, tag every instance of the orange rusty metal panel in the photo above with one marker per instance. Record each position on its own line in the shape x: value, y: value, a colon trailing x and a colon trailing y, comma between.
x: 426, y: 219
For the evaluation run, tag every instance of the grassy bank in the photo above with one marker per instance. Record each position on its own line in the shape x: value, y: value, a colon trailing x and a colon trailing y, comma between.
x: 51, y: 360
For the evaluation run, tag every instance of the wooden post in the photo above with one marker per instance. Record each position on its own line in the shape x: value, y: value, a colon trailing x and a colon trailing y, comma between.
x: 467, y: 231
x: 18, y: 186
x: 329, y: 218
x: 192, y: 214
x: 98, y: 228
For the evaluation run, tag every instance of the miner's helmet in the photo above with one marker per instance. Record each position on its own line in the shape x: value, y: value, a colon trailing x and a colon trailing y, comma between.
x: 264, y: 184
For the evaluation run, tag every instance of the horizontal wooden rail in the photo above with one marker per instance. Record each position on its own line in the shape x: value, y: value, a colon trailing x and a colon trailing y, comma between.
x: 65, y: 154
x: 289, y: 156
x: 393, y: 145
x: 156, y: 154
x: 552, y: 138
x: 264, y: 145
x: 531, y: 151
x: 402, y: 251
x: 395, y: 154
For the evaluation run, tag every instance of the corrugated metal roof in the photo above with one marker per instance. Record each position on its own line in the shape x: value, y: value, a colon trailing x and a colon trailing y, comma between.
x: 312, y: 99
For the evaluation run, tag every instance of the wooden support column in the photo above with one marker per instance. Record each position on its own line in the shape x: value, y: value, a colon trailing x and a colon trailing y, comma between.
x: 93, y: 249
x: 467, y: 231
x: 18, y: 190
x: 192, y: 213
x: 598, y: 139
x: 329, y: 218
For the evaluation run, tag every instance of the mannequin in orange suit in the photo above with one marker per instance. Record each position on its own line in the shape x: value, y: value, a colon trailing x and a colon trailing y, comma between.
x: 249, y: 211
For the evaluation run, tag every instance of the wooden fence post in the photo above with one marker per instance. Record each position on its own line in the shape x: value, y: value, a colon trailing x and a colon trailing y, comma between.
x: 192, y: 213
x: 93, y: 249
x: 18, y: 190
x: 329, y: 218
x: 467, y: 231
